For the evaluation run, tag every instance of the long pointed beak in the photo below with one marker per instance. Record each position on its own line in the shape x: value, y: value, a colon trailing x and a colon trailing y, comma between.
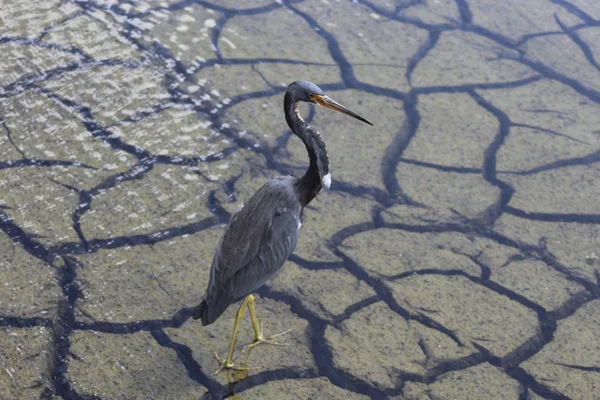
x: 325, y: 101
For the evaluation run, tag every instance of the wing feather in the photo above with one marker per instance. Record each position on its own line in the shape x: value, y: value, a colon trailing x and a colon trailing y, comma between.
x: 281, y: 242
x: 255, y: 245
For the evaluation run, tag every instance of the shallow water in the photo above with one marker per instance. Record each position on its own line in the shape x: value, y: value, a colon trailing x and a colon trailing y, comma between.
x: 456, y: 255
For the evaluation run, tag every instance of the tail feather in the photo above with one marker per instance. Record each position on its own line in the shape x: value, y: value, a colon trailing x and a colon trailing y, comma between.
x: 211, y: 307
x: 199, y: 310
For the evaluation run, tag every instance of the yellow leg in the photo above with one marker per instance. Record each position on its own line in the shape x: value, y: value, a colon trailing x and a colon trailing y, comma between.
x: 228, y: 363
x: 258, y: 335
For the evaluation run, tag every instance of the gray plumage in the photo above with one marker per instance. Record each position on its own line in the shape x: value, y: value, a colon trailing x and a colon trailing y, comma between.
x: 258, y: 240
x: 262, y: 235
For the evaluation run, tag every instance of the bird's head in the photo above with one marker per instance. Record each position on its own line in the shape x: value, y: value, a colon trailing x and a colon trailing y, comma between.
x: 311, y: 93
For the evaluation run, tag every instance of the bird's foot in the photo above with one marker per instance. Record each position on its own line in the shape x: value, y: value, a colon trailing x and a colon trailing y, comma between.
x: 268, y: 340
x: 225, y: 364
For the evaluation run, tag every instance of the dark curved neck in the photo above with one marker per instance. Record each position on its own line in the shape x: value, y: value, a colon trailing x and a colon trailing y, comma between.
x: 312, y: 182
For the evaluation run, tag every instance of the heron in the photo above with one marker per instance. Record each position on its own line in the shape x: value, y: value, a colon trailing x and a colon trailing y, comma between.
x: 263, y: 234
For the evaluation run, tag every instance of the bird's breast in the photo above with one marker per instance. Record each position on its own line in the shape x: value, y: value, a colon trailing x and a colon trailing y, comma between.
x: 327, y: 180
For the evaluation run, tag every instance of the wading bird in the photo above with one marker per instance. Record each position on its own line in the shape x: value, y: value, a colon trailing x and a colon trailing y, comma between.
x: 263, y: 234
